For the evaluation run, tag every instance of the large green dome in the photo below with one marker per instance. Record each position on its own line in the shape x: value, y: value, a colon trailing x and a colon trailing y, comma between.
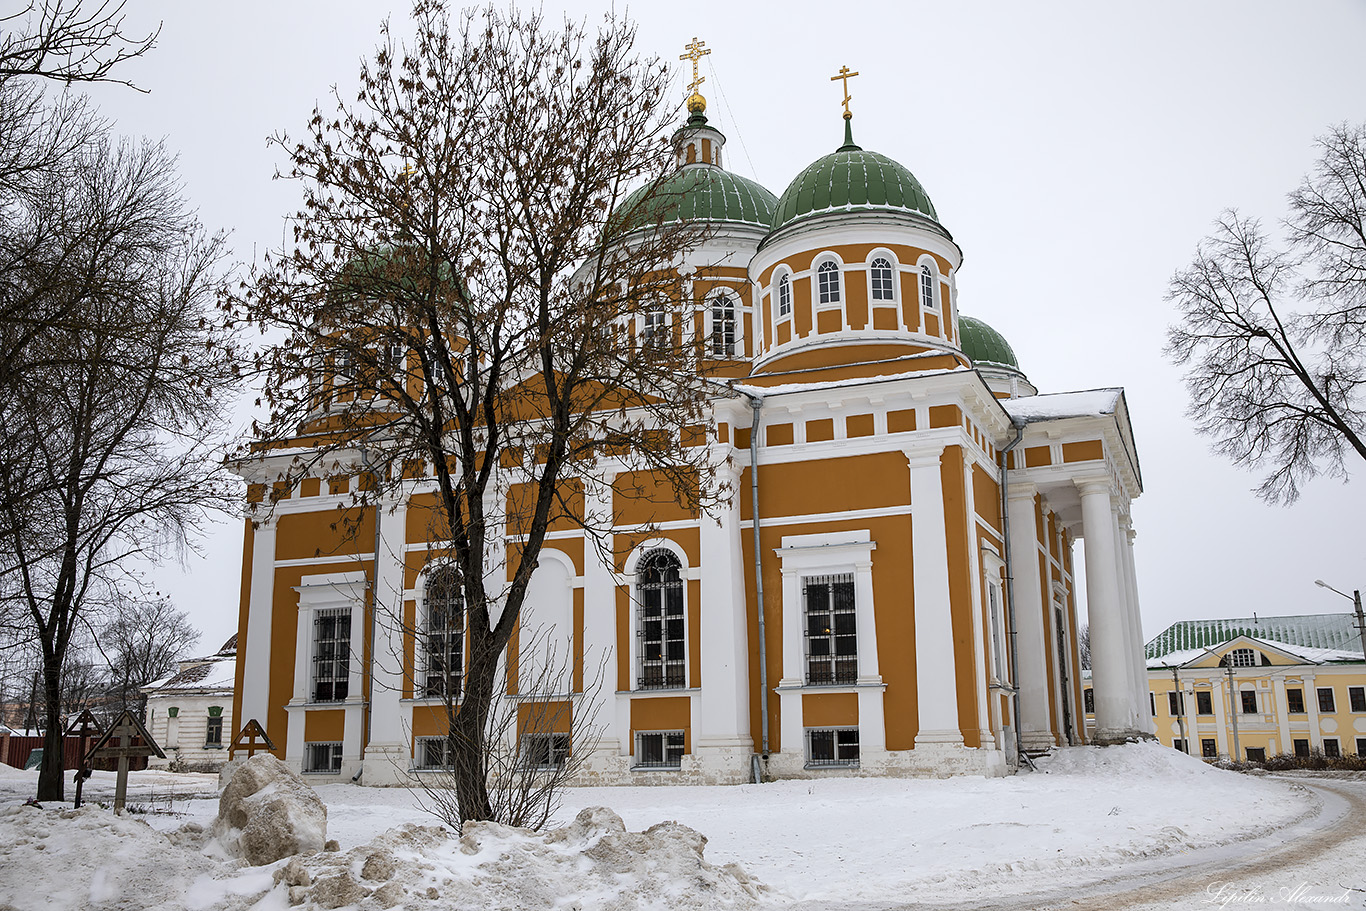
x: 703, y: 193
x: 984, y: 345
x: 852, y: 179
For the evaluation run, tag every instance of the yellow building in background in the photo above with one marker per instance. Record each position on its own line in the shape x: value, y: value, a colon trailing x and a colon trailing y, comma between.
x: 1247, y: 689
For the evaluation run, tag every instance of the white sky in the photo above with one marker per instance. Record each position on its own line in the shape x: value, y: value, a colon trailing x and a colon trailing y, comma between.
x: 1076, y: 151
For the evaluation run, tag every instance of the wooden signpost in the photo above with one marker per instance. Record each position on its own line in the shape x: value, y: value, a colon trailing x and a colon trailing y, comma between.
x: 121, y: 743
x: 83, y: 727
x: 247, y: 738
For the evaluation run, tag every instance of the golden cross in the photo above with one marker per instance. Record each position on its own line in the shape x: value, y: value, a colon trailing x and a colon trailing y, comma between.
x: 845, y: 74
x: 695, y: 53
x: 409, y: 169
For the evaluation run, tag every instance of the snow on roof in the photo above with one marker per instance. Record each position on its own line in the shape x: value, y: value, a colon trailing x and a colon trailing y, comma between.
x: 215, y: 674
x: 785, y: 388
x: 1317, y: 637
x: 1089, y: 403
x: 1305, y: 653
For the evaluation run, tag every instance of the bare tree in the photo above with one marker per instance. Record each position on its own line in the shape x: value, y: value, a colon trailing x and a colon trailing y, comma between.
x: 69, y: 41
x: 110, y: 440
x: 460, y: 301
x: 144, y: 641
x: 1273, y: 338
x: 1084, y: 646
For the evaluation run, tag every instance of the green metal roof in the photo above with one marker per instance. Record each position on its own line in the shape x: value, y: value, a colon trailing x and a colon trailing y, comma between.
x: 703, y: 193
x: 852, y: 179
x: 1332, y: 631
x: 984, y: 345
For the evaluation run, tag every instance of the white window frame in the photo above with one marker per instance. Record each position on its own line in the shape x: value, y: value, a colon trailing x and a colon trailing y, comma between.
x: 686, y: 573
x: 424, y: 651
x: 1332, y: 697
x: 782, y: 311
x: 329, y: 592
x: 718, y: 299
x: 837, y: 269
x: 923, y: 266
x: 1243, y: 657
x: 655, y: 325
x: 895, y: 300
x: 1356, y: 695
x: 993, y: 571
x: 831, y: 636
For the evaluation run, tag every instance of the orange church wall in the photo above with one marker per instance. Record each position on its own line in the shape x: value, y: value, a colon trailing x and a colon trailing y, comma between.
x: 829, y: 710
x: 689, y: 539
x: 566, y: 510
x: 859, y: 425
x: 243, y: 602
x: 310, y: 487
x: 1083, y: 452
x: 642, y: 498
x: 828, y: 321
x: 900, y: 421
x: 945, y: 415
x: 430, y: 721
x: 820, y: 431
x: 986, y: 497
x: 831, y: 486
x: 667, y: 713
x: 545, y: 718
x: 325, y: 533
x: 324, y: 726
x: 801, y: 307
x: 778, y: 435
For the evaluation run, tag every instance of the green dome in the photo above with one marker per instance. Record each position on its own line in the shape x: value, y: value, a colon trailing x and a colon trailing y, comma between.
x: 984, y: 345
x: 704, y: 193
x: 852, y: 180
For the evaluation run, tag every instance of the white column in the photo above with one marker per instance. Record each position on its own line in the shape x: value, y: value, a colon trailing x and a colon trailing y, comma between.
x: 256, y: 653
x: 935, y: 673
x: 980, y: 637
x: 1131, y: 666
x: 724, y: 700
x: 1311, y: 702
x: 600, y: 612
x: 1221, y: 731
x: 1031, y: 659
x: 1282, y: 715
x: 1125, y: 542
x: 386, y: 754
x: 790, y: 723
x: 1110, y: 680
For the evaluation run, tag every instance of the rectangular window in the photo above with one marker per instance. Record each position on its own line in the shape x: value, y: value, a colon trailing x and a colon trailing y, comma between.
x: 432, y: 753
x: 213, y: 734
x: 1294, y: 701
x: 1326, y: 703
x: 1175, y: 704
x: 1152, y: 703
x: 831, y: 639
x: 1256, y: 754
x: 1204, y: 702
x: 661, y: 633
x: 1301, y: 747
x: 331, y: 654
x: 659, y: 749
x: 1249, y: 702
x: 1356, y: 695
x: 998, y: 655
x: 1361, y: 747
x: 323, y: 757
x: 1088, y: 700
x: 656, y: 333
x: 545, y: 751
x: 723, y: 327
x: 1180, y: 744
x: 832, y: 748
x: 1209, y: 748
x: 445, y: 643
x: 1330, y: 748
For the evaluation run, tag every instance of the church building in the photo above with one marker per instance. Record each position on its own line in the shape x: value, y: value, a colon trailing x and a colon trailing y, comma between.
x: 889, y: 591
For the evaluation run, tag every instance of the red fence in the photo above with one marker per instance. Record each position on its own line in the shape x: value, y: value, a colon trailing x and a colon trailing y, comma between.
x: 15, y: 751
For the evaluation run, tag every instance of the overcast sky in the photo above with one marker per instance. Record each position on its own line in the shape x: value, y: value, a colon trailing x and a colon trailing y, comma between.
x: 1076, y: 151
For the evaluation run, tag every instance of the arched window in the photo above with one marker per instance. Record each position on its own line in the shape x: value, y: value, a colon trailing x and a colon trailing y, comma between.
x: 927, y: 283
x: 828, y: 282
x: 723, y: 326
x: 445, y: 639
x: 882, y: 280
x: 784, y: 296
x: 659, y: 591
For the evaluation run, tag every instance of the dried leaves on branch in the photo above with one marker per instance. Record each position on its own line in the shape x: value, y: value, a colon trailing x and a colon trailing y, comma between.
x: 1275, y: 338
x: 460, y: 299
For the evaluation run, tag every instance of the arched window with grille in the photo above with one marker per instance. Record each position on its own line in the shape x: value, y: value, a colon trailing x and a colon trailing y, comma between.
x: 927, y: 283
x: 659, y: 628
x: 828, y: 282
x: 784, y: 296
x: 723, y: 326
x: 445, y: 634
x: 881, y: 275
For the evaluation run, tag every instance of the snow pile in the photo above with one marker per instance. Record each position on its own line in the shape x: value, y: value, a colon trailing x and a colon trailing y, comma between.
x: 1132, y: 761
x: 268, y: 812
x: 593, y: 863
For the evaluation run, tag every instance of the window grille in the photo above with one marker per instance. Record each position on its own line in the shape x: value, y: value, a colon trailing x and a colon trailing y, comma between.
x: 828, y: 282
x: 213, y: 734
x: 1326, y: 702
x: 832, y: 748
x: 784, y: 296
x: 882, y: 280
x: 831, y: 638
x: 323, y: 757
x: 445, y: 635
x: 1356, y: 695
x: 660, y: 627
x: 927, y: 287
x: 1088, y: 701
x: 1240, y: 657
x: 1294, y: 702
x: 545, y: 751
x: 659, y: 749
x: 723, y: 326
x: 331, y: 654
x: 432, y: 753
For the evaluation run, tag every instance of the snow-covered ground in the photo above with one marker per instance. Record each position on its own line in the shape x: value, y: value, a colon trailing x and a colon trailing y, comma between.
x: 1088, y: 815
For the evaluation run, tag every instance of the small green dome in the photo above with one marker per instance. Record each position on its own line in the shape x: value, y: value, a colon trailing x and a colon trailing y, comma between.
x: 984, y: 345
x: 852, y: 179
x: 704, y: 193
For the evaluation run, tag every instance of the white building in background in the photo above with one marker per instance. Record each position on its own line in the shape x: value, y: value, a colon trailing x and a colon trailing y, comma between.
x: 189, y: 714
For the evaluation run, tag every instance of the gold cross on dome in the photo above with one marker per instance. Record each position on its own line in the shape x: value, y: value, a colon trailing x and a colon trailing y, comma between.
x: 845, y: 73
x: 696, y: 51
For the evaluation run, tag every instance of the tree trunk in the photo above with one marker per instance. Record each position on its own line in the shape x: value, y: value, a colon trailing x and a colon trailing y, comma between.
x: 51, y: 783
x: 471, y: 731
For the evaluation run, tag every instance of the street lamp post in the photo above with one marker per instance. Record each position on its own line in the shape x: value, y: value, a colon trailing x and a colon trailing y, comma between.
x: 1355, y: 598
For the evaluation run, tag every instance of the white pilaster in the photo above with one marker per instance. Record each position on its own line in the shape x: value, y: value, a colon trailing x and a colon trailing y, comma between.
x: 386, y: 754
x: 600, y: 613
x: 935, y: 671
x: 1282, y: 715
x: 1125, y: 542
x: 979, y: 634
x: 1311, y: 704
x: 256, y: 653
x: 724, y: 698
x: 1031, y: 660
x: 1133, y: 688
x: 1111, y: 681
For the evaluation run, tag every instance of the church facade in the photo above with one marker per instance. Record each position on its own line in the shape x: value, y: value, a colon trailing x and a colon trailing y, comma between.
x: 889, y: 591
